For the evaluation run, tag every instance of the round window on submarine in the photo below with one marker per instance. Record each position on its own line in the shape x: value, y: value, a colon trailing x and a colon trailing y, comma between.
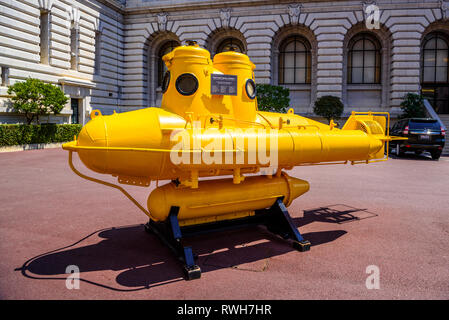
x: 165, y: 81
x: 186, y: 84
x: 250, y: 87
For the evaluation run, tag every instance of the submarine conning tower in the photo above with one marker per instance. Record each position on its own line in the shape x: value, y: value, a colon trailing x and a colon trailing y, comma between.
x: 201, y: 89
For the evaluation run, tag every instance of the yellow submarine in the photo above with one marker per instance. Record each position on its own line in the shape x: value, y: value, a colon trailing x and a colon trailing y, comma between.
x: 209, y: 125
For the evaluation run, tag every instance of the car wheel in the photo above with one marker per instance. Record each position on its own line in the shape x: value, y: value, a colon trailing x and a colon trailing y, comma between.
x: 435, y: 154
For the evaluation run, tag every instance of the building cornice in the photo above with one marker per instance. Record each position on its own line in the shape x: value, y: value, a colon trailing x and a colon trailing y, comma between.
x: 177, y: 5
x: 154, y: 7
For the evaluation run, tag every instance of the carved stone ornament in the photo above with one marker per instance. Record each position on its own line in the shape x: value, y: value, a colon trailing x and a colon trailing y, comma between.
x: 73, y: 15
x: 45, y: 5
x: 162, y: 21
x: 225, y: 17
x: 294, y: 10
x: 444, y: 9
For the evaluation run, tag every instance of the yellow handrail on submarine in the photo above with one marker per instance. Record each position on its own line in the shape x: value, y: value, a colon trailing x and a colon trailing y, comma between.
x: 209, y: 126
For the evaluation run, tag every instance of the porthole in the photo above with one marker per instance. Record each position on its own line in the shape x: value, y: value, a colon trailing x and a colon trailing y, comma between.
x: 250, y: 87
x: 165, y: 81
x: 186, y: 84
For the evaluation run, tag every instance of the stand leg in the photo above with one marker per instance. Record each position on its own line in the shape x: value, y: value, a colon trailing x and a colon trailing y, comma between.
x: 191, y: 270
x: 281, y: 223
x: 170, y: 234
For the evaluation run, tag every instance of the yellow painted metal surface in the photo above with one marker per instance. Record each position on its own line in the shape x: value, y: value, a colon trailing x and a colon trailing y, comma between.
x: 107, y: 145
x: 217, y: 197
x: 144, y: 145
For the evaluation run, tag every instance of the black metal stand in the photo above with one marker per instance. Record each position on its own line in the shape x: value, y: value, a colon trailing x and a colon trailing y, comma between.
x: 170, y: 234
x: 281, y: 223
x: 276, y: 219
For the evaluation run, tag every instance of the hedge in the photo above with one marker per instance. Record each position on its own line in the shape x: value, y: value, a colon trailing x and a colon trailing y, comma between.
x: 17, y: 134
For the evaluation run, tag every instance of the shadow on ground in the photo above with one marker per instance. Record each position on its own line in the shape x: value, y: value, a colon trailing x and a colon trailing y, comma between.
x: 142, y: 262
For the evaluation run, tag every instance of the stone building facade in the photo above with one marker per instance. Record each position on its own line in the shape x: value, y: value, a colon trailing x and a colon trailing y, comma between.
x: 106, y: 54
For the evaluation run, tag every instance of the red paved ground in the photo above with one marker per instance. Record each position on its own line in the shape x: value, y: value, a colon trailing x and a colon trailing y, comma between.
x: 56, y: 219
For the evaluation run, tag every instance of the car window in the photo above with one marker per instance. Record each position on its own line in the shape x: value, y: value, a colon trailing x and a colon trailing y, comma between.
x: 424, y: 124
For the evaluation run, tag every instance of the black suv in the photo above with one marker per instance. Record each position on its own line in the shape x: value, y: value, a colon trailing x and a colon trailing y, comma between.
x: 423, y: 135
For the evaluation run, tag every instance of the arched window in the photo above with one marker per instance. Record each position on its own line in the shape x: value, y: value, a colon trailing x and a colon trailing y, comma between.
x: 435, y: 58
x: 294, y: 61
x: 231, y: 44
x: 165, y: 48
x: 364, y: 63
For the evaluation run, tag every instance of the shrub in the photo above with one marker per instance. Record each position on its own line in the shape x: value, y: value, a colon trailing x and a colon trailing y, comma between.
x: 329, y: 107
x: 34, y: 98
x: 272, y: 98
x: 413, y: 106
x: 16, y: 134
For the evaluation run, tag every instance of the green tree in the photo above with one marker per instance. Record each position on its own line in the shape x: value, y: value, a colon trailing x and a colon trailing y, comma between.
x: 34, y: 98
x: 272, y: 98
x: 329, y: 107
x: 413, y: 106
